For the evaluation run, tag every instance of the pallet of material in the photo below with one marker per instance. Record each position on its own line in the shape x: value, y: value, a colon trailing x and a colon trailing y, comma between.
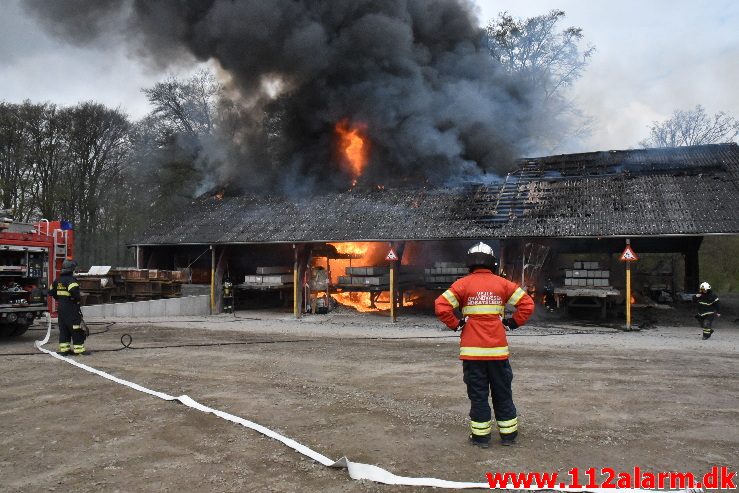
x: 135, y: 274
x: 160, y: 275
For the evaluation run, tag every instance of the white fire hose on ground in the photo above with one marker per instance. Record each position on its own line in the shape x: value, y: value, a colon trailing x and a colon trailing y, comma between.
x: 356, y: 470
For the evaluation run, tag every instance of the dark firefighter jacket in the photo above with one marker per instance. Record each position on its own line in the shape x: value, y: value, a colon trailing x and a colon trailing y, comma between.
x: 707, y: 303
x: 66, y: 290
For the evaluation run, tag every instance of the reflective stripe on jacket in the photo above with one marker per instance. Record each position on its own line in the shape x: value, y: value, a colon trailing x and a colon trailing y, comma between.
x: 481, y: 296
x: 65, y: 288
x: 708, y: 303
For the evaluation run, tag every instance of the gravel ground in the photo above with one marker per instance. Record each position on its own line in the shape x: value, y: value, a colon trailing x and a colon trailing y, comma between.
x: 588, y: 395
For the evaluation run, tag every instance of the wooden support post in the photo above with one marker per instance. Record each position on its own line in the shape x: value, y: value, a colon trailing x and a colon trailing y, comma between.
x: 393, y: 297
x: 297, y: 290
x: 218, y: 283
x: 628, y: 291
x: 328, y: 284
x: 692, y: 271
x: 212, y: 279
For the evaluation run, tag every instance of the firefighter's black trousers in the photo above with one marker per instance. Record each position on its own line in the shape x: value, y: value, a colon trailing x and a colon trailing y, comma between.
x: 490, y: 377
x: 70, y: 324
x: 706, y: 321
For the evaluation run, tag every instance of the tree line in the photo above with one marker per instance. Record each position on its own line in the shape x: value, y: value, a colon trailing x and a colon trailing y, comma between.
x: 94, y: 166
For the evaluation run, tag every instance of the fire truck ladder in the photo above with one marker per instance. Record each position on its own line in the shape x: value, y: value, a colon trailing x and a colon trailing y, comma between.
x: 61, y: 249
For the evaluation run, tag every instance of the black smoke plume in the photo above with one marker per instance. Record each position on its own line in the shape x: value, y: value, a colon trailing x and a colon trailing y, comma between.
x: 416, y: 74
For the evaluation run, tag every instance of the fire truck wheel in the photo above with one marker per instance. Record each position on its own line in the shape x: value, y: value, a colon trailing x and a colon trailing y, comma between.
x: 19, y: 329
x: 6, y: 330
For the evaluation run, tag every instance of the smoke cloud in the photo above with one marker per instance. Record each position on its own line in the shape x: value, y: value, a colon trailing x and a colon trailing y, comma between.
x: 416, y: 74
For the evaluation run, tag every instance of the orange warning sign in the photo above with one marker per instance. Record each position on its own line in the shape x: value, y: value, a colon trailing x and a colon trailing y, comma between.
x: 628, y: 255
x: 391, y: 255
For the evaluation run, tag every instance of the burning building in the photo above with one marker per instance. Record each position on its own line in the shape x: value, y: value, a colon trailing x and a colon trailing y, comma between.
x: 579, y: 205
x: 389, y: 122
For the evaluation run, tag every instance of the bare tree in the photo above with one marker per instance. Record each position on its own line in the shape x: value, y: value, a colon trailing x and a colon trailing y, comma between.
x: 45, y: 157
x: 549, y: 60
x: 185, y: 106
x: 176, y: 144
x: 97, y: 149
x: 14, y: 182
x: 692, y: 127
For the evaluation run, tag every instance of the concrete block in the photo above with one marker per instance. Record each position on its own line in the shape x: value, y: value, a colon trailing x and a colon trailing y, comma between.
x: 568, y: 281
x: 123, y: 310
x: 141, y: 309
x: 446, y: 265
x: 577, y: 265
x: 589, y: 282
x: 374, y: 270
x: 274, y: 270
x: 281, y: 279
x: 374, y: 280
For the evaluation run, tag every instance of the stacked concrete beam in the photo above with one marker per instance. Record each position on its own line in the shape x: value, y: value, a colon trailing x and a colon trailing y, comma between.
x: 587, y: 274
x: 444, y: 272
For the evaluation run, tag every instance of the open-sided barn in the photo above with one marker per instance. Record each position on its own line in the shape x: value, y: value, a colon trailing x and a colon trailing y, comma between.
x: 663, y: 200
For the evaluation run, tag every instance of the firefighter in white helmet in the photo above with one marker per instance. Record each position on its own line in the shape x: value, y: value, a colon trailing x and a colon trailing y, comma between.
x: 708, y: 309
x: 481, y: 296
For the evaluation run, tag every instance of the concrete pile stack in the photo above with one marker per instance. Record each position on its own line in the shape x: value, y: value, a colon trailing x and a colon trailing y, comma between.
x: 587, y: 274
x: 443, y: 274
x: 366, y: 276
x: 274, y: 276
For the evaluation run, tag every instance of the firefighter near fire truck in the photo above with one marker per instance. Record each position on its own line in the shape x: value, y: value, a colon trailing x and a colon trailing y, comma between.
x: 481, y: 297
x: 66, y: 291
x: 708, y: 309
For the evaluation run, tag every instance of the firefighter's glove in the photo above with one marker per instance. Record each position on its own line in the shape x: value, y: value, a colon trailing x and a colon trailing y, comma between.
x: 510, y: 324
x: 460, y: 325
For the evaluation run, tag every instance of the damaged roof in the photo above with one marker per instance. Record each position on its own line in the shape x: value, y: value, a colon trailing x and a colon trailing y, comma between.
x: 642, y: 192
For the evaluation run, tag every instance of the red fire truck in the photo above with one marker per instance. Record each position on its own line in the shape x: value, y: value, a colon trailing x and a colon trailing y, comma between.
x: 31, y: 257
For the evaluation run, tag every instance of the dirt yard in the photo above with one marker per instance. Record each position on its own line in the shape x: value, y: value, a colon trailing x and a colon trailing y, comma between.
x: 660, y: 398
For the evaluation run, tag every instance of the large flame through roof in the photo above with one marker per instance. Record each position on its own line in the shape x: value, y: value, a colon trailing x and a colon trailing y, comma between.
x: 353, y: 148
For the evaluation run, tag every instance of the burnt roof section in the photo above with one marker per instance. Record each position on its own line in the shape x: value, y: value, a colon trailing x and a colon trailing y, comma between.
x: 642, y: 192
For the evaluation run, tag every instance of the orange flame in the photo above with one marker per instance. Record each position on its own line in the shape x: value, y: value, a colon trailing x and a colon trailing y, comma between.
x: 352, y: 248
x: 354, y: 148
x: 371, y: 253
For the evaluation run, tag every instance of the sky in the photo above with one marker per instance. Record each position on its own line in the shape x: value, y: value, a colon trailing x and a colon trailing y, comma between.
x: 652, y: 57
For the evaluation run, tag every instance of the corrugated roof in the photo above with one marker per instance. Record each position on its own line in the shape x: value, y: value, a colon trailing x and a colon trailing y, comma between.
x: 642, y: 192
